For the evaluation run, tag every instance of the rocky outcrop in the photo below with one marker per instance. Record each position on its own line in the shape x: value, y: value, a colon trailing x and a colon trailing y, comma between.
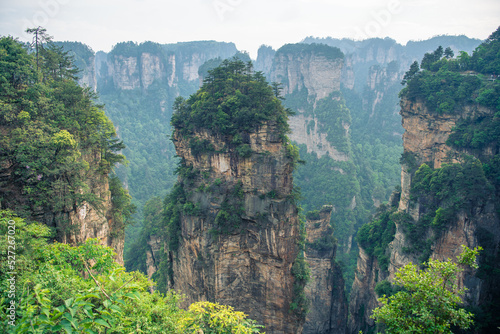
x: 171, y: 64
x: 363, y: 298
x: 313, y: 138
x: 88, y: 74
x: 425, y: 142
x: 315, y: 72
x: 265, y: 58
x: 74, y: 222
x: 328, y: 310
x: 308, y: 76
x: 247, y: 265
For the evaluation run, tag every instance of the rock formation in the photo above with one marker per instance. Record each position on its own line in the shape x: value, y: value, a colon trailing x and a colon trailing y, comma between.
x: 425, y: 141
x: 246, y: 266
x: 308, y: 75
x: 328, y: 310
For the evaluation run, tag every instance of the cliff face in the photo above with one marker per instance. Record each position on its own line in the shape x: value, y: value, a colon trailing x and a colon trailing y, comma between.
x: 316, y: 73
x: 75, y: 222
x: 308, y: 77
x: 314, y: 139
x: 425, y: 142
x: 265, y: 58
x: 328, y: 309
x: 171, y: 64
x: 246, y: 266
x: 88, y: 74
x: 425, y: 138
x: 363, y: 298
x: 133, y: 72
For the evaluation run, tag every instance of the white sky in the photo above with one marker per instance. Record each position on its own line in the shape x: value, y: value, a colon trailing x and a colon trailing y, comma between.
x: 248, y: 23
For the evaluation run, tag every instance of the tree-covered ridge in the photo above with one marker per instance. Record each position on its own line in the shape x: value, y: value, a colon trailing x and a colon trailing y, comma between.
x: 324, y: 50
x: 233, y: 99
x: 445, y: 83
x: 56, y: 141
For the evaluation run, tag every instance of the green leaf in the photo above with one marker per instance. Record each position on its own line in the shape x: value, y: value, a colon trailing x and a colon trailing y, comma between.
x: 102, y: 322
x: 69, y: 302
x: 66, y: 325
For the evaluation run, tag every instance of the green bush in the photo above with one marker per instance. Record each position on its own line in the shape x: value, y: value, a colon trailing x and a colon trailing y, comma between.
x: 80, y: 289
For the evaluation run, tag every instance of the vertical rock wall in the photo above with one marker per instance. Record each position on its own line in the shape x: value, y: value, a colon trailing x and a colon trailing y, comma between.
x: 246, y: 266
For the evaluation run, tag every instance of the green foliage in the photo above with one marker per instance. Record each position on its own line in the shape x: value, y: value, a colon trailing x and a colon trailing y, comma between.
x: 444, y: 85
x: 376, y: 235
x: 477, y: 133
x: 409, y: 160
x: 67, y: 289
x: 333, y: 117
x: 122, y: 209
x: 384, y: 288
x: 446, y: 191
x: 486, y: 57
x: 228, y: 218
x: 301, y: 275
x: 135, y: 259
x: 200, y: 146
x: 244, y: 151
x: 454, y: 186
x: 212, y: 318
x: 233, y: 99
x: 313, y: 215
x: 53, y: 132
x: 324, y: 50
x: 324, y: 244
x: 430, y: 299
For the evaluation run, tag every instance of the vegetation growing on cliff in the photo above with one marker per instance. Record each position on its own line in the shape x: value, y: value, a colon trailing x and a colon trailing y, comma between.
x: 375, y: 236
x: 56, y: 142
x: 318, y: 49
x: 430, y: 299
x: 444, y: 83
x: 232, y: 100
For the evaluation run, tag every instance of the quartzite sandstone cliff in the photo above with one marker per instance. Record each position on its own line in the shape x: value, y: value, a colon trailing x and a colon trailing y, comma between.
x: 425, y: 139
x: 246, y: 266
x: 328, y: 310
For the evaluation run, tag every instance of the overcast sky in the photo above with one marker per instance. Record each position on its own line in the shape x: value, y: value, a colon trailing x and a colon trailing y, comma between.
x: 248, y: 23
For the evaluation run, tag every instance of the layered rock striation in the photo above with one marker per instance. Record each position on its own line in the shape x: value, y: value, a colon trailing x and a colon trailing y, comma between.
x: 475, y: 224
x: 246, y: 264
x: 328, y: 310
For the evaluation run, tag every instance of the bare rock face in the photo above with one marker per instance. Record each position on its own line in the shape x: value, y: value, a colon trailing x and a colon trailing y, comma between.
x: 125, y: 72
x: 363, y: 298
x: 314, y: 72
x: 88, y: 75
x: 315, y: 140
x: 247, y: 264
x: 265, y: 58
x: 325, y: 290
